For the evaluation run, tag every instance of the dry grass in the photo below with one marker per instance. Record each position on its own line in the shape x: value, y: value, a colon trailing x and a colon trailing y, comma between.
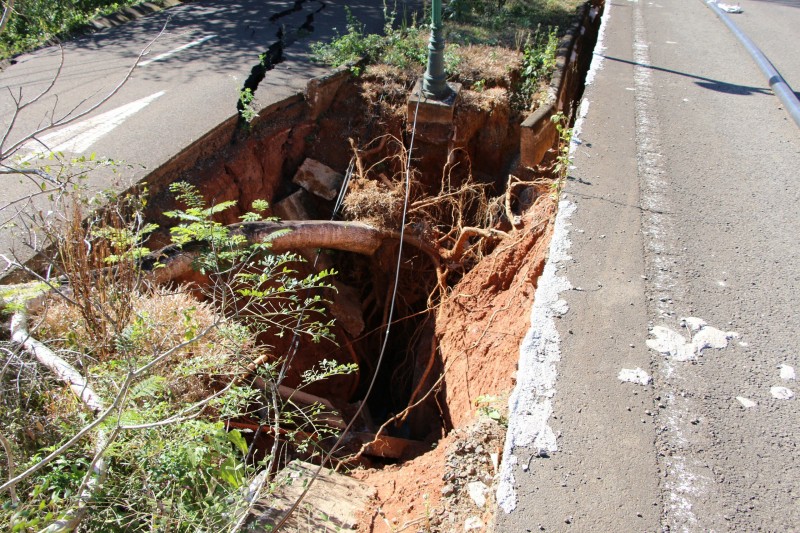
x: 492, y: 66
x: 374, y: 203
x: 160, y: 320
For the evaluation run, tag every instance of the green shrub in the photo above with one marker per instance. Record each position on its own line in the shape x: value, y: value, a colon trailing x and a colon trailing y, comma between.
x: 34, y: 22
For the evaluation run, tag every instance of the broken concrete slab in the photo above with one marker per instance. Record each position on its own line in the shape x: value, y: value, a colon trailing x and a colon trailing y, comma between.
x: 319, y: 179
x: 331, y: 505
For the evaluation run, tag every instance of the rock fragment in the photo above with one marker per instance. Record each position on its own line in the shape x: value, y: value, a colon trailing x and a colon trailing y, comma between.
x: 319, y: 179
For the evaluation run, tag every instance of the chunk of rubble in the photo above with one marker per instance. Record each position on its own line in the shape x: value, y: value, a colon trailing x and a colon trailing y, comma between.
x: 296, y: 206
x: 473, y: 523
x: 331, y: 505
x: 318, y: 179
x: 746, y: 402
x: 477, y: 491
x: 781, y: 393
x: 678, y: 348
x: 787, y: 373
x: 636, y: 375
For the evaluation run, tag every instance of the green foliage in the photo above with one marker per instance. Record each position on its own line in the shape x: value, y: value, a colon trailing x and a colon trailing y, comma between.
x: 538, y: 61
x: 182, y: 477
x: 246, y: 110
x: 36, y: 21
x: 491, y: 407
x: 173, y: 462
x: 403, y: 47
x: 562, y: 162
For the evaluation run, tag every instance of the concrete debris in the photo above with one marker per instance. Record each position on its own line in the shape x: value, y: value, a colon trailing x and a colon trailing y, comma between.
x: 675, y: 345
x: 693, y: 323
x: 319, y: 179
x: 477, y: 491
x: 730, y: 8
x: 637, y: 375
x: 781, y: 393
x: 473, y: 523
x: 294, y: 207
x: 746, y: 403
x: 787, y: 373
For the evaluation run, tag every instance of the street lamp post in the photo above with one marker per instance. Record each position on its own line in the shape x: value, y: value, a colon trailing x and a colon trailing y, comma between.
x: 434, y: 82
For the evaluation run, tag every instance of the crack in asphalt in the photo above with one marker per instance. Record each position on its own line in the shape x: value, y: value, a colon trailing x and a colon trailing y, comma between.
x: 273, y: 55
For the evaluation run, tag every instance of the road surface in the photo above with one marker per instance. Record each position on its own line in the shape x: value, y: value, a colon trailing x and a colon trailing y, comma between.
x: 678, y: 256
x: 188, y: 83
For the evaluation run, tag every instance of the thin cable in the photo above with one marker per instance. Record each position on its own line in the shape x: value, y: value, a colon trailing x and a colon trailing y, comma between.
x: 295, y: 342
x: 372, y: 382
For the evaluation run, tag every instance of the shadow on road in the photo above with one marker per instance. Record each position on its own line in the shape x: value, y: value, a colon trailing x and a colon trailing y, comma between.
x: 706, y: 83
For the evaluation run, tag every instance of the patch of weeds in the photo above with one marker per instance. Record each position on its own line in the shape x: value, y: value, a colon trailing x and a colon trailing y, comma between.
x: 497, y: 23
x: 491, y: 407
x: 538, y: 62
x: 347, y: 48
x: 561, y: 165
x: 246, y: 110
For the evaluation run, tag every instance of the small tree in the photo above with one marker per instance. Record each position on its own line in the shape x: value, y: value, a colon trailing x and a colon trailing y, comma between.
x: 147, y: 444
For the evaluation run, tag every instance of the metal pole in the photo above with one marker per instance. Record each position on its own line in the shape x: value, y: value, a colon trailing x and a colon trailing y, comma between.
x: 434, y: 82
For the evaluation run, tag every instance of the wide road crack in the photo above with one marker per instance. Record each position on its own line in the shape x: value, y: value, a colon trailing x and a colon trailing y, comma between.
x: 273, y: 55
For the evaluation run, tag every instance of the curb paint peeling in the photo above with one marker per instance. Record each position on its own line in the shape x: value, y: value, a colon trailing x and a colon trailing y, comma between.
x: 530, y: 404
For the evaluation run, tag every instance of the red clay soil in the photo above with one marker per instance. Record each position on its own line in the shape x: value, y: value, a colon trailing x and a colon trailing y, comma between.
x: 480, y: 327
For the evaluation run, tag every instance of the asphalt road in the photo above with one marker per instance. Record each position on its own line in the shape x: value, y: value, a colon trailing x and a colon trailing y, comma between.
x: 682, y: 207
x: 186, y: 85
x: 774, y: 25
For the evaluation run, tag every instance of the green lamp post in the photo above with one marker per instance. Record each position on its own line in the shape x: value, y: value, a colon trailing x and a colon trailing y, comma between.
x: 434, y: 82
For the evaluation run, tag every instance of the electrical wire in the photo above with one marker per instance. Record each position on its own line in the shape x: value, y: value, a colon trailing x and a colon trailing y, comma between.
x: 327, y: 457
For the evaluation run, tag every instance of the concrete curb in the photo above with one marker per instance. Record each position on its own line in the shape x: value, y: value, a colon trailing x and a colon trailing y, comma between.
x: 538, y: 132
x: 530, y: 403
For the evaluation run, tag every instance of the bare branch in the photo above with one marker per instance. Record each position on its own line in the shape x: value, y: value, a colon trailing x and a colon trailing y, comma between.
x: 11, y: 467
x: 7, y: 10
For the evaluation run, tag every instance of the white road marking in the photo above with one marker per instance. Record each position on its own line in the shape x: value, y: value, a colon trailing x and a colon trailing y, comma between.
x: 77, y: 138
x: 686, y: 480
x: 176, y: 50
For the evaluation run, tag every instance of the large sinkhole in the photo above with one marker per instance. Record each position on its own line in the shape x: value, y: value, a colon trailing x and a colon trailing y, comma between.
x: 480, y: 206
x: 470, y: 203
x: 436, y: 225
